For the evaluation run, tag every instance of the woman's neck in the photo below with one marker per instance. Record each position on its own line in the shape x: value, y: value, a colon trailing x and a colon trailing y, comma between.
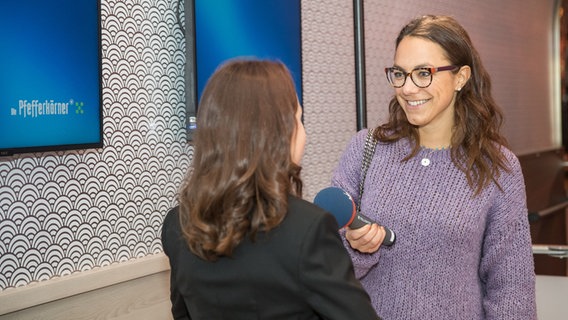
x: 435, y: 140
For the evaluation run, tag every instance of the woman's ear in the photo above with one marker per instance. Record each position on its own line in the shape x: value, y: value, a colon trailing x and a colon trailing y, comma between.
x: 463, y: 75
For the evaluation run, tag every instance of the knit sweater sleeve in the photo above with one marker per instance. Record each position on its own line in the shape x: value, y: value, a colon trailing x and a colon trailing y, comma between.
x: 507, y: 267
x: 347, y: 176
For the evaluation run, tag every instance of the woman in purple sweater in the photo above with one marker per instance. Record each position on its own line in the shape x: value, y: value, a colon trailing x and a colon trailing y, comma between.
x: 443, y: 179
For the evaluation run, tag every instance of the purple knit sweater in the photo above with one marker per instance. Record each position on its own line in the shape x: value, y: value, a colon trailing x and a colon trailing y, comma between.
x: 456, y: 256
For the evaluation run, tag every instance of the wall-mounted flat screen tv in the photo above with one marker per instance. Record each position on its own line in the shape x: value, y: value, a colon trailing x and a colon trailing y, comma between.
x: 50, y: 75
x: 219, y: 30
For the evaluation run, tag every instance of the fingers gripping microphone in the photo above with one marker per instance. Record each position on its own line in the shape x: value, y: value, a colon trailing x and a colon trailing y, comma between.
x: 340, y: 204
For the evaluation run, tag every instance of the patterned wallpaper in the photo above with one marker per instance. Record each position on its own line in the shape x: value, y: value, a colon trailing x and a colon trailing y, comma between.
x: 64, y: 212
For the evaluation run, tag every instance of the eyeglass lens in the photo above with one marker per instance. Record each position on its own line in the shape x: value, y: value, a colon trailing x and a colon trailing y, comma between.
x: 422, y: 77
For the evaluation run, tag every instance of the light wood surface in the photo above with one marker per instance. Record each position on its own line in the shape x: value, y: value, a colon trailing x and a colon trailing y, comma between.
x: 141, y: 291
x: 136, y: 289
x: 552, y: 297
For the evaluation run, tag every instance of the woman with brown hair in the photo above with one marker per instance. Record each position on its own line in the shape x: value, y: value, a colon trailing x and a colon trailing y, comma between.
x: 443, y: 179
x: 242, y: 244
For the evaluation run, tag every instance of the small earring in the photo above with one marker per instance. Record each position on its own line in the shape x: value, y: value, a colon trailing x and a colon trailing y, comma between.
x: 458, y: 89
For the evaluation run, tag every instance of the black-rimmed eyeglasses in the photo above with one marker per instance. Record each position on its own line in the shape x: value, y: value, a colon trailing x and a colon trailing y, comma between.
x: 422, y: 77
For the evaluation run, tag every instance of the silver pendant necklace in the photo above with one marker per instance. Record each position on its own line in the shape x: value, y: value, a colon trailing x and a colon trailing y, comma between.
x: 426, y: 161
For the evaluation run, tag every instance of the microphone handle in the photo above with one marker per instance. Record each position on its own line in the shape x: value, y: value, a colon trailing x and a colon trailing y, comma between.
x: 390, y: 237
x: 361, y: 220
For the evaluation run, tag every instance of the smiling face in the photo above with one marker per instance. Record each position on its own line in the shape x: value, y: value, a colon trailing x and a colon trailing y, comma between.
x: 431, y: 109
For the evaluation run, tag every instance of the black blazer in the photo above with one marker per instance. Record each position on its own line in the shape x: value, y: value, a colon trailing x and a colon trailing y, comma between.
x: 299, y: 270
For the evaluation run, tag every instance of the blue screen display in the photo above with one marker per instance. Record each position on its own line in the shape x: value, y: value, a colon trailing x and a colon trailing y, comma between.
x: 50, y: 87
x: 265, y: 29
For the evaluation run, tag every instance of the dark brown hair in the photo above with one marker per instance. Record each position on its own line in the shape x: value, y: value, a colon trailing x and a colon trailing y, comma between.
x: 242, y: 170
x: 476, y: 140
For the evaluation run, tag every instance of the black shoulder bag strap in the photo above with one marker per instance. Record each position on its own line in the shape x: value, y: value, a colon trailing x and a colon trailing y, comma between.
x: 370, y: 145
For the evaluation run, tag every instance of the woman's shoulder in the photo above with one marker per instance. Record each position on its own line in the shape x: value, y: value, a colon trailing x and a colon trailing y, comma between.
x: 306, y: 213
x: 171, y: 231
x: 359, y: 137
x: 508, y: 153
x: 511, y: 159
x: 356, y: 144
x: 172, y: 216
x: 296, y: 204
x: 510, y: 177
x: 171, y: 225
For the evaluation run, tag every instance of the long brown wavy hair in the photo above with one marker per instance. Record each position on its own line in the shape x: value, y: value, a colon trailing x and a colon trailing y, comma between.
x: 476, y: 138
x: 242, y: 170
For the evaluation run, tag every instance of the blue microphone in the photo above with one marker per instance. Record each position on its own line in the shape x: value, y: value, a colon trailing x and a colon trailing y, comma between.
x: 340, y: 204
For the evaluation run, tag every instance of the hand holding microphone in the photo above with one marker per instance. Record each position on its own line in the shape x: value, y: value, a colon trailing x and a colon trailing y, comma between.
x: 340, y: 204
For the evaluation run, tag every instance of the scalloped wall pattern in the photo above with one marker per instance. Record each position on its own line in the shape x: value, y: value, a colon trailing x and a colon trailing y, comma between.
x: 71, y: 211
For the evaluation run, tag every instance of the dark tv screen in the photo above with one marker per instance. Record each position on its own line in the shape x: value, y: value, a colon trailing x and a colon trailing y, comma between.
x: 50, y: 78
x: 220, y: 30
